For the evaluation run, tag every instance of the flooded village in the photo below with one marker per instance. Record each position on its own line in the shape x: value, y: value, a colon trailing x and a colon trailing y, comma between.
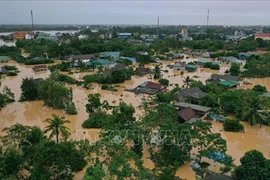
x: 180, y: 68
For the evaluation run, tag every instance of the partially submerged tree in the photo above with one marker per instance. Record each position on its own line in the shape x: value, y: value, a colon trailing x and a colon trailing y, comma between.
x: 57, y: 127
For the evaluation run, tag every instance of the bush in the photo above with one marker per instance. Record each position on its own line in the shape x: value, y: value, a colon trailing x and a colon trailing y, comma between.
x: 233, y: 125
x: 104, y: 86
x: 10, y: 68
x: 71, y: 109
x: 225, y: 169
x: 182, y: 72
x: 204, y: 164
x: 96, y: 120
x: 11, y: 73
x: 259, y: 89
x: 164, y: 82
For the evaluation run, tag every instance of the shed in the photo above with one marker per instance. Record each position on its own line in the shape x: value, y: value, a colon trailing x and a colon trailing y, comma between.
x: 40, y: 68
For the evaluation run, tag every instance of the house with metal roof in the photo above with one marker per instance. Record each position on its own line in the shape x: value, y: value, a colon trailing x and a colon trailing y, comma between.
x: 102, y: 62
x: 42, y: 35
x: 203, y: 61
x: 178, y: 66
x: 149, y: 87
x: 230, y: 84
x: 124, y: 35
x: 244, y: 55
x: 226, y: 80
x: 198, y: 108
x: 191, y: 113
x: 82, y: 57
x: 40, y: 68
x: 142, y: 71
x: 230, y: 59
x: 132, y: 59
x: 3, y: 70
x: 193, y: 92
x: 4, y: 59
x: 190, y: 67
x: 186, y: 115
x: 109, y: 55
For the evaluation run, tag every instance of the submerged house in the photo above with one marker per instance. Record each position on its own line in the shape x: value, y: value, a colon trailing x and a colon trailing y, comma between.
x: 142, y: 71
x: 193, y: 92
x: 40, y: 68
x: 109, y: 55
x: 149, y: 87
x: 4, y: 59
x: 226, y: 80
x: 191, y: 113
x: 178, y: 66
x: 244, y: 55
x: 82, y: 57
x: 132, y: 59
x: 102, y: 62
x: 3, y: 71
x: 190, y: 67
x: 172, y: 56
x: 230, y: 59
x: 203, y: 61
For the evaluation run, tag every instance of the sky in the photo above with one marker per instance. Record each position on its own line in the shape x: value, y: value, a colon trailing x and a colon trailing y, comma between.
x: 174, y: 12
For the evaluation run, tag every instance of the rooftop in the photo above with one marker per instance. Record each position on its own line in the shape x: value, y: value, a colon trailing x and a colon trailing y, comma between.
x: 4, y: 58
x: 193, y: 106
x: 194, y: 92
x: 82, y: 56
x: 228, y: 83
x: 202, y: 60
x: 187, y: 113
x: 262, y: 35
x: 225, y: 77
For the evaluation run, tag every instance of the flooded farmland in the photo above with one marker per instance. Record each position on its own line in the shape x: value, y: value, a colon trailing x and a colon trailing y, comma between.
x: 34, y: 113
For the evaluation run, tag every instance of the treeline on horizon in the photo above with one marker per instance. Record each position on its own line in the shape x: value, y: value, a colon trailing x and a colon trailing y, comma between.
x: 146, y: 29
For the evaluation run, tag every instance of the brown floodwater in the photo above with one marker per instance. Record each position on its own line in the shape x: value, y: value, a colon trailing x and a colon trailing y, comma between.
x: 34, y: 113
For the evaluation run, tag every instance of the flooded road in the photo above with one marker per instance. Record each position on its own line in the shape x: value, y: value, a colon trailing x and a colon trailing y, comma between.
x: 34, y: 113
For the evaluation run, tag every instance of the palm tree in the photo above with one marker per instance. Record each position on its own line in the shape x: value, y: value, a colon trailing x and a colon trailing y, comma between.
x: 57, y: 127
x: 254, y: 112
x: 157, y: 73
x: 187, y: 82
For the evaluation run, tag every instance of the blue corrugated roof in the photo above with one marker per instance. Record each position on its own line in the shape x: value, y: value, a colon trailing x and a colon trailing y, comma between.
x: 132, y: 59
x: 202, y: 60
x: 191, y: 66
x: 103, y: 62
x: 114, y: 54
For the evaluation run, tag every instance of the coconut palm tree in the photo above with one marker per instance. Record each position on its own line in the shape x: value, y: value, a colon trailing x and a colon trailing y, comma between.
x: 157, y: 72
x: 57, y: 127
x: 254, y: 112
x: 187, y: 82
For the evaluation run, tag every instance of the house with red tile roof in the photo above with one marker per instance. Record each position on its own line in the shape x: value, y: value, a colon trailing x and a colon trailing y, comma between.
x: 265, y: 37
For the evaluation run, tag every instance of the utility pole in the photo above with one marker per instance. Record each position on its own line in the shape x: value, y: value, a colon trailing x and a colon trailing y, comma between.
x: 157, y: 27
x: 33, y: 30
x: 207, y: 23
x: 32, y: 17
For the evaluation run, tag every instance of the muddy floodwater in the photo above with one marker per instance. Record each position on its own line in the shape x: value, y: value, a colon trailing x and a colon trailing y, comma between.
x: 34, y: 113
